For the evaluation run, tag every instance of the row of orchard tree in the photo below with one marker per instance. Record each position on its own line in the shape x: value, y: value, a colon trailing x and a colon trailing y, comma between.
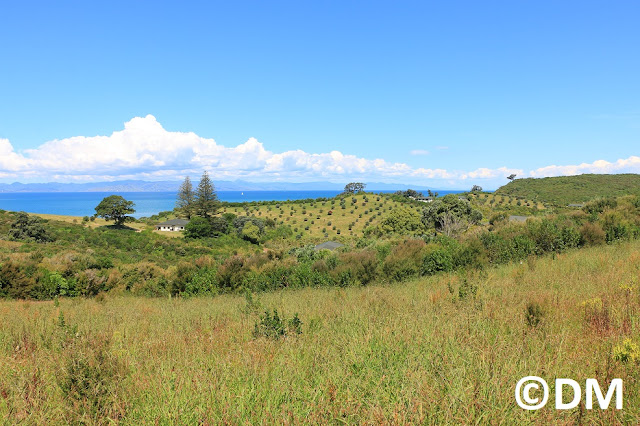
x: 201, y: 201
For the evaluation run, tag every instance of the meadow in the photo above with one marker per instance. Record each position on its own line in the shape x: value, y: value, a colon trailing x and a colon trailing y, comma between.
x: 446, y: 349
x: 409, y: 322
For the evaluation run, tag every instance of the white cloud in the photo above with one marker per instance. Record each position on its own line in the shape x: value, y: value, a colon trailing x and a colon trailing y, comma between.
x: 145, y: 150
x: 623, y: 165
x: 419, y: 152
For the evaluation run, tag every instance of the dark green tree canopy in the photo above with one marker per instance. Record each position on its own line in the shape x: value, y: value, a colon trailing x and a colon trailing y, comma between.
x: 354, y: 187
x: 186, y: 199
x: 198, y: 227
x: 206, y: 199
x: 450, y: 214
x: 28, y: 227
x: 116, y: 208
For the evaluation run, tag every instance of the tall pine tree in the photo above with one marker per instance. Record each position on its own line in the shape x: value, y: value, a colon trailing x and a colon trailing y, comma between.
x: 186, y: 199
x: 206, y: 198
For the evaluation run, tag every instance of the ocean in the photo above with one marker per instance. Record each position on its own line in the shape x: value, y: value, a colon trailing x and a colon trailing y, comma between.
x: 146, y: 203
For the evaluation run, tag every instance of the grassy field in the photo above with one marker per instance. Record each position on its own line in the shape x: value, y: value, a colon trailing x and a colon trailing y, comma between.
x: 77, y: 220
x: 445, y: 349
x: 326, y: 219
x: 321, y: 220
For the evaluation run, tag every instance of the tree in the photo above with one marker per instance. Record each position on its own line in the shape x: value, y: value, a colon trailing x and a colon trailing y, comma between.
x: 476, y: 188
x: 450, y: 214
x: 410, y: 193
x: 115, y: 208
x: 206, y: 199
x: 28, y: 227
x: 198, y: 227
x: 400, y: 220
x: 512, y: 176
x: 353, y: 187
x: 186, y: 198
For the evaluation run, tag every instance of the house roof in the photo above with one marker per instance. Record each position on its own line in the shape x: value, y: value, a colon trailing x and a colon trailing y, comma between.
x: 575, y: 205
x: 174, y: 222
x: 329, y: 245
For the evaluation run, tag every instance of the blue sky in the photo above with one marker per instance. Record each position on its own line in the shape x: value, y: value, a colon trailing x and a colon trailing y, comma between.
x: 447, y: 94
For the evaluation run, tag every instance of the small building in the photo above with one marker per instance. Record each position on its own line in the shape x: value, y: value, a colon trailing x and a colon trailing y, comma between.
x: 329, y: 245
x: 172, y: 225
x: 423, y: 199
x: 576, y: 206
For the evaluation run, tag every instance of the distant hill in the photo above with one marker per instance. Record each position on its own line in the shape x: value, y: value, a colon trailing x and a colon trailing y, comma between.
x: 565, y: 190
x: 172, y: 186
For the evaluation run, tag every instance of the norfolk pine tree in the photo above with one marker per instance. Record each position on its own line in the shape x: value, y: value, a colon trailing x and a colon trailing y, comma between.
x: 186, y: 199
x: 206, y: 202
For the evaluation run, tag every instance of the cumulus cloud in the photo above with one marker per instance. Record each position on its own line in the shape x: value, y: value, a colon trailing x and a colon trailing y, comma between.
x: 623, y: 165
x: 145, y: 150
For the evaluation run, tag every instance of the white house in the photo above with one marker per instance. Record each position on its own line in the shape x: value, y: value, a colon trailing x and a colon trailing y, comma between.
x: 172, y: 225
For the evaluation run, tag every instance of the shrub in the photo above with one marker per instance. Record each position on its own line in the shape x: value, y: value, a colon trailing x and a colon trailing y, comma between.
x: 27, y: 227
x: 467, y: 289
x: 272, y: 326
x: 439, y: 259
x: 219, y: 225
x: 592, y: 234
x: 627, y: 351
x: 404, y: 261
x: 534, y: 313
x: 198, y: 227
x: 600, y: 205
x: 251, y: 233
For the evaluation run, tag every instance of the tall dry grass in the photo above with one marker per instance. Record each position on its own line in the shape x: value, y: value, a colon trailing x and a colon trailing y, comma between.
x: 447, y: 349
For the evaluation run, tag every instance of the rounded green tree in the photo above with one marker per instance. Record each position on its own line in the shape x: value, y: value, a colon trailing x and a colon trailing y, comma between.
x: 116, y: 208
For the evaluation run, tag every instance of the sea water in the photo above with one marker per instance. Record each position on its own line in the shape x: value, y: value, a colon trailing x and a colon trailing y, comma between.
x: 146, y: 203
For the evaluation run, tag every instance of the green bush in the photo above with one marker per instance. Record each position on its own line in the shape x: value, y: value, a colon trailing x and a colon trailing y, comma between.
x: 437, y: 260
x: 404, y: 261
x: 27, y: 227
x: 198, y: 227
x: 272, y: 326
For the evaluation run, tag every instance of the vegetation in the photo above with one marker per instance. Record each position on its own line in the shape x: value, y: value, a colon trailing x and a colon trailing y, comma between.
x: 566, y: 190
x: 83, y: 261
x: 115, y: 208
x: 450, y: 214
x: 296, y: 334
x: 429, y: 351
x: 206, y: 199
x: 185, y: 204
x: 27, y: 227
x: 354, y: 187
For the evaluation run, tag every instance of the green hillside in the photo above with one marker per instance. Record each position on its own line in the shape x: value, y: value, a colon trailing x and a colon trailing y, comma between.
x: 564, y: 190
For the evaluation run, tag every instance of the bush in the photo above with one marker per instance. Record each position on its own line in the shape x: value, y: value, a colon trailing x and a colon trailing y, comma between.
x: 592, y: 234
x: 437, y: 260
x: 198, y: 227
x: 272, y: 326
x: 27, y: 227
x: 534, y: 313
x: 251, y: 232
x: 404, y: 261
x: 219, y: 225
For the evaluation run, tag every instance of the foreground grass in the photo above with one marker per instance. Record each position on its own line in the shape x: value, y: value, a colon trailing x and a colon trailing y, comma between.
x: 426, y: 351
